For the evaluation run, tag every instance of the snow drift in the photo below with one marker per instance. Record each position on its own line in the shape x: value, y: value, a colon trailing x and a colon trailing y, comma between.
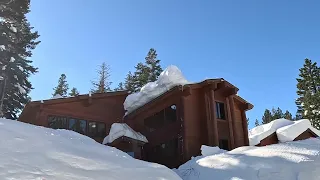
x: 170, y: 77
x: 121, y: 129
x: 298, y: 160
x: 31, y: 152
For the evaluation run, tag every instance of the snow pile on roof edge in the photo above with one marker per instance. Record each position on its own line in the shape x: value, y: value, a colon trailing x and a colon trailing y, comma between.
x: 34, y: 152
x: 121, y: 129
x: 170, y: 77
x: 290, y: 132
x: 286, y: 161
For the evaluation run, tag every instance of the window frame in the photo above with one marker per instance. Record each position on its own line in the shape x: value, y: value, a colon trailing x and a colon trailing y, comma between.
x: 67, y: 124
x: 218, y: 110
x: 165, y: 121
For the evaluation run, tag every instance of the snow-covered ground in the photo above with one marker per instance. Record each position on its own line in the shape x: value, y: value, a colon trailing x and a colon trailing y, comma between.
x: 170, y: 77
x: 31, y: 152
x: 299, y: 160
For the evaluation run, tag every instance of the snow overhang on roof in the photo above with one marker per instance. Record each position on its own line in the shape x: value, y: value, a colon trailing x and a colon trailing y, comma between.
x: 119, y: 130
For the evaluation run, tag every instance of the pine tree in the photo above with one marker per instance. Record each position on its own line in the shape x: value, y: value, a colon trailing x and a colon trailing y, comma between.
x: 146, y: 72
x: 16, y: 44
x: 256, y: 123
x: 74, y: 92
x: 129, y: 82
x: 288, y: 115
x: 120, y: 87
x: 308, y: 91
x: 277, y: 114
x: 154, y: 65
x: 267, y: 117
x: 62, y: 87
x: 104, y: 83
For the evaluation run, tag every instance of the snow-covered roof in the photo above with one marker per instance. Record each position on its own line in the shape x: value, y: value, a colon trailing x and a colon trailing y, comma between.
x: 286, y: 161
x: 169, y: 78
x: 121, y: 129
x: 258, y: 133
x: 286, y: 130
x: 39, y: 153
x: 290, y: 132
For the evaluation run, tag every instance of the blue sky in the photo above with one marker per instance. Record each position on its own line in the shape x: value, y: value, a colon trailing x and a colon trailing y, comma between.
x: 256, y: 45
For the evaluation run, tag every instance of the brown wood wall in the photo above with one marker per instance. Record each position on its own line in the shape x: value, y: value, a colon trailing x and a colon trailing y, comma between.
x: 238, y: 128
x: 107, y: 110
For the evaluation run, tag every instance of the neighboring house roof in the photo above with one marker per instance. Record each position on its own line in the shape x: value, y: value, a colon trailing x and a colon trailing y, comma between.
x: 121, y: 129
x: 284, y: 130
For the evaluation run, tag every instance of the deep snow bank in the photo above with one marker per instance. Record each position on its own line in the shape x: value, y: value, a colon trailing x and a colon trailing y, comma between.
x: 298, y: 160
x: 31, y: 152
x: 170, y: 77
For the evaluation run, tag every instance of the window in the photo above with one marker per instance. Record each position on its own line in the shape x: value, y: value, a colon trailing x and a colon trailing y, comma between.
x: 56, y: 122
x: 96, y: 129
x: 162, y: 118
x: 92, y: 129
x: 220, y: 111
x: 170, y: 114
x: 101, y: 130
x: 77, y: 125
x: 224, y: 144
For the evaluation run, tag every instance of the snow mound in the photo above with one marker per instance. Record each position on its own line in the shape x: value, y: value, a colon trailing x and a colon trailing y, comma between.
x: 298, y: 160
x: 31, y: 152
x: 170, y: 77
x: 118, y: 130
x: 208, y: 150
x: 260, y: 132
x: 290, y: 132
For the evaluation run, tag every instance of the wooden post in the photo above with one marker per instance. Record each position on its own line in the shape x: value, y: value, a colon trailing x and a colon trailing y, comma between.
x: 214, y: 118
x: 209, y: 120
x: 230, y: 119
x: 245, y: 127
x: 232, y: 106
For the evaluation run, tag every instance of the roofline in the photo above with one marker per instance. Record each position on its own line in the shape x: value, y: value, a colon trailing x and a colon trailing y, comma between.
x: 75, y: 98
x: 250, y: 106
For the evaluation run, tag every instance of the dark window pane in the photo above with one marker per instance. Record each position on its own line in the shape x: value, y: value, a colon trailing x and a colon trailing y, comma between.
x: 73, y: 124
x: 92, y: 129
x: 170, y: 114
x: 82, y: 127
x: 101, y: 130
x: 220, y: 110
x: 156, y: 121
x: 57, y: 122
x: 79, y: 126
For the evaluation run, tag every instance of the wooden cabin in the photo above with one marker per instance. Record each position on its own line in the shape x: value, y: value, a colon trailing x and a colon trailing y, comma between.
x: 176, y: 123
